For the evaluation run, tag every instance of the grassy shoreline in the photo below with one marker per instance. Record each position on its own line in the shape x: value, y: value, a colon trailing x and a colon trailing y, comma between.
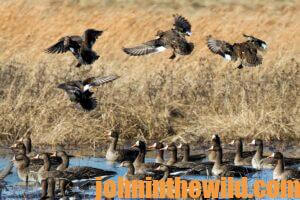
x: 155, y: 98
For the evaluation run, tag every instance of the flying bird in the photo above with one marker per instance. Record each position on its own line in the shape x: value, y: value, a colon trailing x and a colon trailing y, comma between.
x: 79, y: 91
x: 80, y: 46
x: 246, y: 52
x: 172, y: 39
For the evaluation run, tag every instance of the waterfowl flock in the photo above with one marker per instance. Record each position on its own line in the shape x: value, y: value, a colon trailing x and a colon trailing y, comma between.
x: 52, y: 169
x: 57, y: 178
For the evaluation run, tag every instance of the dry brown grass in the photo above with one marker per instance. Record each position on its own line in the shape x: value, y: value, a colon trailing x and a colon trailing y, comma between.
x: 211, y: 95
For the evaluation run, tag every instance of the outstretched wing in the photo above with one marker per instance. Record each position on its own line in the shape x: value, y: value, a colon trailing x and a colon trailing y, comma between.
x: 182, y: 24
x: 220, y: 47
x: 72, y: 88
x: 63, y: 45
x: 90, y: 36
x: 258, y: 43
x: 96, y: 81
x: 151, y: 46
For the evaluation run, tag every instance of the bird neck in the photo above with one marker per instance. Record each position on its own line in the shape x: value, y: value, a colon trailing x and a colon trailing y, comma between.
x: 113, y: 144
x: 141, y: 156
x: 280, y: 166
x: 160, y: 156
x: 259, y: 151
x: 186, y: 155
x: 65, y: 163
x: 173, y: 156
x: 130, y: 170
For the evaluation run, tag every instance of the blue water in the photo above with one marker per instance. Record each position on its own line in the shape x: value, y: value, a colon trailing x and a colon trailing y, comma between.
x: 18, y: 190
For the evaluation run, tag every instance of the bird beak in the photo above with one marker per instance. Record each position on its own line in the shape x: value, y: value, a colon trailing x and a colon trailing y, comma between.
x: 252, y: 143
x: 164, y: 148
x: 271, y: 156
x: 232, y: 142
x: 153, y: 146
x: 109, y: 133
x: 211, y: 148
x: 54, y: 154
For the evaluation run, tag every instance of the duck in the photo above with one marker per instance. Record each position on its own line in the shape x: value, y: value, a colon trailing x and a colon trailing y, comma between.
x: 79, y: 91
x: 118, y: 155
x: 158, y: 146
x: 80, y: 46
x: 279, y: 172
x: 186, y: 154
x: 81, y: 172
x: 172, y: 39
x: 240, y: 159
x: 222, y: 169
x: 246, y: 51
x: 21, y: 161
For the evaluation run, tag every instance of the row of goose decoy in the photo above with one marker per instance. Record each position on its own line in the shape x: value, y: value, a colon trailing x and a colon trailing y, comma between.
x: 48, y: 169
x: 174, y: 39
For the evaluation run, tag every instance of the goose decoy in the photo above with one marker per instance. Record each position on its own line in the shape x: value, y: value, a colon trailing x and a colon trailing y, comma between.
x: 246, y: 51
x: 4, y: 172
x: 159, y: 152
x: 79, y: 91
x: 222, y: 169
x: 139, y: 163
x: 45, y: 171
x: 48, y: 189
x: 22, y: 164
x: 35, y: 163
x: 80, y: 46
x: 131, y: 175
x: 259, y: 161
x: 240, y: 159
x: 172, y: 39
x: 216, y: 141
x: 119, y: 155
x: 186, y: 154
x: 81, y: 172
x: 279, y: 172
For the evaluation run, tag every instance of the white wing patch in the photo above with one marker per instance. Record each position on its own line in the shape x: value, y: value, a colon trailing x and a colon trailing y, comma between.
x: 86, y: 87
x: 160, y: 49
x: 227, y: 57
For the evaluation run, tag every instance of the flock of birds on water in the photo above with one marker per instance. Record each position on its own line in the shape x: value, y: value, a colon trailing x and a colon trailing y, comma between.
x: 174, y: 39
x: 57, y: 178
x: 52, y: 171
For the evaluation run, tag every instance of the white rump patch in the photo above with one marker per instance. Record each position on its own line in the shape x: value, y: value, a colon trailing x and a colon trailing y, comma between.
x: 227, y: 57
x: 189, y: 33
x: 72, y: 49
x: 160, y: 49
x: 264, y: 46
x: 86, y: 87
